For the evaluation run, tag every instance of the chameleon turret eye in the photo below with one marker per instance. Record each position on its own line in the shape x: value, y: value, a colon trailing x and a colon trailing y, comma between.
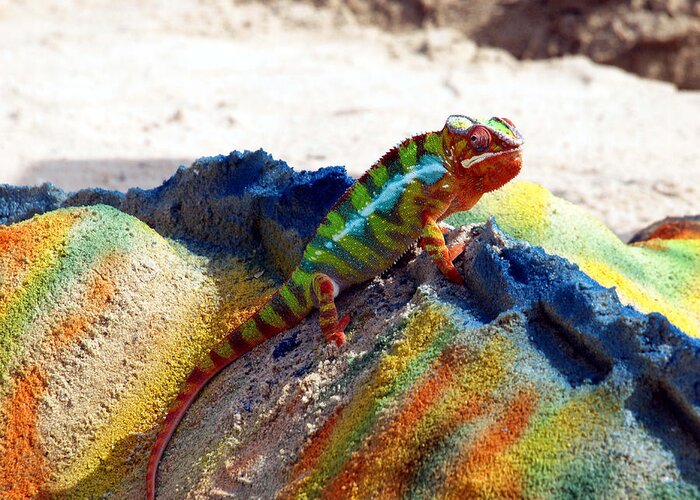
x: 479, y: 138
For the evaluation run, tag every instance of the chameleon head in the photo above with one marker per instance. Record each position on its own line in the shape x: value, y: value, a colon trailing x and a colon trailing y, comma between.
x: 482, y: 155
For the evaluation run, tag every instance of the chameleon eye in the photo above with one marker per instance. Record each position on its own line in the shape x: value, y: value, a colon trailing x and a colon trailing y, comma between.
x: 480, y: 139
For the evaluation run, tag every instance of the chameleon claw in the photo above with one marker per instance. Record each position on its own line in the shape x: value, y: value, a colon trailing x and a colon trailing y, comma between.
x: 343, y: 322
x: 338, y: 338
x: 453, y: 275
x: 456, y: 249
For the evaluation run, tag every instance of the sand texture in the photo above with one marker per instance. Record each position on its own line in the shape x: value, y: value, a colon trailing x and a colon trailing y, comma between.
x: 568, y: 365
x: 656, y: 39
x: 116, y: 96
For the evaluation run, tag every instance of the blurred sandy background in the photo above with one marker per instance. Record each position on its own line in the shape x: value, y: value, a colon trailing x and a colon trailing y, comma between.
x: 118, y: 94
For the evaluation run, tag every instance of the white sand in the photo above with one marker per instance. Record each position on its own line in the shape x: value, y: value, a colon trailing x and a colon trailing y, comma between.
x: 93, y: 95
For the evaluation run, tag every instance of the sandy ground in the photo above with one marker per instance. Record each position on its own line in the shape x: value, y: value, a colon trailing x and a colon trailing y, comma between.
x: 93, y: 94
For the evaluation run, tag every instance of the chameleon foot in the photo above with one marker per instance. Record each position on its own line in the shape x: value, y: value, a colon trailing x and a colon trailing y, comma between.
x: 332, y: 328
x: 433, y: 241
x: 456, y: 250
x: 339, y: 335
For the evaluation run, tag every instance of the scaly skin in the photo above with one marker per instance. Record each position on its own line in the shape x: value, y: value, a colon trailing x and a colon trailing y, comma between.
x: 399, y: 201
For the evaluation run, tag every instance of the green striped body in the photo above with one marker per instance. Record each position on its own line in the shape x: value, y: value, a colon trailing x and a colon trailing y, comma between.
x: 380, y: 216
x: 373, y: 224
x: 285, y: 309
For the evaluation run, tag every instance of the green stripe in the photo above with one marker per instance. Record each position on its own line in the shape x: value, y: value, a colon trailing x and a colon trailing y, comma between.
x: 206, y: 364
x: 359, y: 197
x: 291, y: 301
x: 333, y: 224
x: 270, y: 316
x: 329, y: 259
x: 433, y: 144
x: 357, y: 249
x: 250, y: 333
x: 302, y: 281
x: 379, y: 175
x: 224, y: 349
x: 408, y: 154
x: 379, y: 228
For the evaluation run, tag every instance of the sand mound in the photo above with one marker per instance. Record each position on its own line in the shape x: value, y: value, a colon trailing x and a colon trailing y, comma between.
x: 533, y: 379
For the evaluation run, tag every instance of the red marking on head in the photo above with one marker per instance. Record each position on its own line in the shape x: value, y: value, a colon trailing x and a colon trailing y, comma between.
x: 492, y: 173
x: 481, y: 157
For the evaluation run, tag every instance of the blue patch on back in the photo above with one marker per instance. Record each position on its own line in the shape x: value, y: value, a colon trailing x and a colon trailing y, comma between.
x: 428, y: 170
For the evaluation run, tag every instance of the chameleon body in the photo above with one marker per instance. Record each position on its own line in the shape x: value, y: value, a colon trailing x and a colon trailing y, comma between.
x: 397, y: 202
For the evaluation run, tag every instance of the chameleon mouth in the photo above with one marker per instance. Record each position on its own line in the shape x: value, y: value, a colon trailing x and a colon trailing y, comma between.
x: 478, y: 159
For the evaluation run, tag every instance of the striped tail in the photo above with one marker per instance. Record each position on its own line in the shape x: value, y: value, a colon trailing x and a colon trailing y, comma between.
x: 285, y: 309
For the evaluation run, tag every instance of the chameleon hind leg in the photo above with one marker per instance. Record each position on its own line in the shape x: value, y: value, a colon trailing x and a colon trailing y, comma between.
x: 332, y: 328
x: 433, y: 241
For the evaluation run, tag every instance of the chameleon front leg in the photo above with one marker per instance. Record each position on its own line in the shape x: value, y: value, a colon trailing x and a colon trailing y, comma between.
x: 433, y: 241
x: 324, y: 291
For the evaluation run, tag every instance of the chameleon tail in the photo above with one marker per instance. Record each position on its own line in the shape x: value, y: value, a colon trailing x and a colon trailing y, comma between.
x: 285, y: 309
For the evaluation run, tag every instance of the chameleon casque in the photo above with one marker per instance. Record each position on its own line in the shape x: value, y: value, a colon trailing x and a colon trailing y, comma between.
x: 397, y: 202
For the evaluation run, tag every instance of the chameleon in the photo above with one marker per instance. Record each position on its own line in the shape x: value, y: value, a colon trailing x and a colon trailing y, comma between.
x: 399, y: 201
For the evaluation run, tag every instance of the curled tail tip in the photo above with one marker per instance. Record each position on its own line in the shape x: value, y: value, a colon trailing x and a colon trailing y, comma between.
x: 150, y: 492
x: 228, y: 350
x: 151, y: 469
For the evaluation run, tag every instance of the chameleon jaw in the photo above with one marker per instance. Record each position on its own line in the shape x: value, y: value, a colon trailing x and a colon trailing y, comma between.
x: 468, y: 163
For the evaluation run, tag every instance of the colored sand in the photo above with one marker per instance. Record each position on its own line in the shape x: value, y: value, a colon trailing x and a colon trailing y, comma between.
x: 534, y: 380
x: 661, y: 275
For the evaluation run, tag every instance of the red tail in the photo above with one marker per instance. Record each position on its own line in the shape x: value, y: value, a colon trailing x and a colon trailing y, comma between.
x: 197, y: 380
x: 231, y: 348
